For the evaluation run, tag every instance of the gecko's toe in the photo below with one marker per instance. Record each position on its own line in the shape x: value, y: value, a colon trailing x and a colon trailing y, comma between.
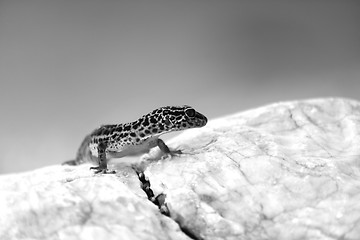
x: 107, y: 171
x: 176, y: 152
x: 102, y: 170
x: 97, y: 169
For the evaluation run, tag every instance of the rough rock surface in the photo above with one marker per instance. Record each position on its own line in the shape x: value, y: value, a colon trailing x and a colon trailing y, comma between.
x: 284, y: 171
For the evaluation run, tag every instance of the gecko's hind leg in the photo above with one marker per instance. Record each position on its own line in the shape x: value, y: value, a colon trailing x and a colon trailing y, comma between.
x: 102, y: 168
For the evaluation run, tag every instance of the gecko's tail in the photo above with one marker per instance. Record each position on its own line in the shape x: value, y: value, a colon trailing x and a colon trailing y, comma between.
x: 83, y: 154
x: 71, y: 162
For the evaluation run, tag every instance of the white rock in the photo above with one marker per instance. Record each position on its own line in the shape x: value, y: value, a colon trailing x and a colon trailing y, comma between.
x: 72, y: 203
x: 284, y: 171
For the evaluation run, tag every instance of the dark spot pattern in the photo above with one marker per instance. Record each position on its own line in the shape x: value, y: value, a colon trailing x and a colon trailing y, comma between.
x: 105, y: 131
x: 178, y: 113
x: 117, y: 138
x: 146, y: 122
x: 135, y: 126
x: 153, y: 120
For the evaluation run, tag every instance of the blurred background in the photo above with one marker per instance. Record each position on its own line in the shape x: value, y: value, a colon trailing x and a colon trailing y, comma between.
x: 68, y: 66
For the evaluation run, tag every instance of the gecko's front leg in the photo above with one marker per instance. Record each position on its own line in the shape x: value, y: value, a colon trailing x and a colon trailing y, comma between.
x: 102, y: 168
x: 165, y: 149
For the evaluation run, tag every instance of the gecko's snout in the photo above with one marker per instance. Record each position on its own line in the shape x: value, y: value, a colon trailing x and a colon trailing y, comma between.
x: 201, y: 119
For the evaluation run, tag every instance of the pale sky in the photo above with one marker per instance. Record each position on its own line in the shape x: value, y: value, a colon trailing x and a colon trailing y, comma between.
x: 68, y: 66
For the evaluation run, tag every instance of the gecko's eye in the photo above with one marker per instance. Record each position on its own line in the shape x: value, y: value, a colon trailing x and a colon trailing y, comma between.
x: 190, y: 112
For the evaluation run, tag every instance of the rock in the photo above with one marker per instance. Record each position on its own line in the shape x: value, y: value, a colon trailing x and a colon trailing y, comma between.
x: 284, y: 171
x: 71, y: 203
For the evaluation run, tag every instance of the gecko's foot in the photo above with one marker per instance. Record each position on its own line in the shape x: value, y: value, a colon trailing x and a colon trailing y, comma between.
x: 102, y: 170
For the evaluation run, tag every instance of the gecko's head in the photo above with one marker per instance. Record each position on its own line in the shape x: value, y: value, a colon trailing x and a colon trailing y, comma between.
x: 175, y: 118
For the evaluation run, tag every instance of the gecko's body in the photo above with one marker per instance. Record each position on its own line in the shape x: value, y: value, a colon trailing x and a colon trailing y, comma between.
x: 119, y: 140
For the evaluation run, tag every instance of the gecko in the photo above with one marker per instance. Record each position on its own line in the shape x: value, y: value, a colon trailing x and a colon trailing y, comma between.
x: 127, y: 139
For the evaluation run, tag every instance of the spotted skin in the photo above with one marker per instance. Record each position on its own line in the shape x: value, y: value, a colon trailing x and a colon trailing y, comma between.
x: 119, y: 140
